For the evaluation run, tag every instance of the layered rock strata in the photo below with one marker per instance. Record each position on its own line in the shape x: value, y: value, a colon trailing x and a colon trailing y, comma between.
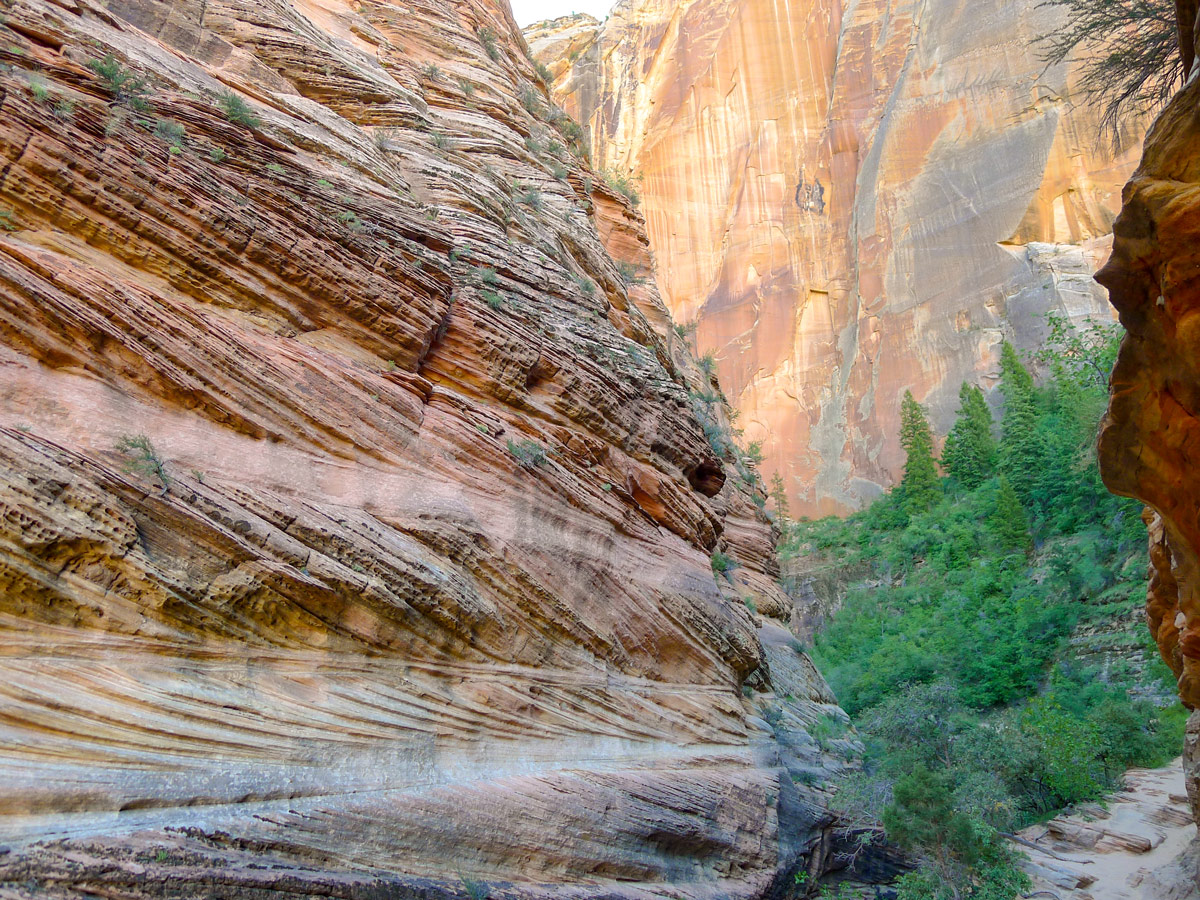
x: 357, y: 504
x: 850, y: 200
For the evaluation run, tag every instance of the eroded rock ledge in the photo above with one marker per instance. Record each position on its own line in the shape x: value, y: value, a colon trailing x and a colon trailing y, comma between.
x: 354, y: 644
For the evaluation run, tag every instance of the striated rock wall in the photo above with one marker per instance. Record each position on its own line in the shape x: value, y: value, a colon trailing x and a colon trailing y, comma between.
x: 1150, y: 441
x: 294, y: 295
x: 850, y: 199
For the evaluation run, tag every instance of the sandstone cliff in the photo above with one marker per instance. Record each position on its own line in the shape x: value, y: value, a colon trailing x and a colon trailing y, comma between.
x: 850, y: 199
x: 357, y: 505
x: 1150, y: 442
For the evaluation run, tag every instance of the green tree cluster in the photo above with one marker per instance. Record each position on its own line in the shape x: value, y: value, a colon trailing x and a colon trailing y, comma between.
x: 953, y: 647
x: 969, y: 455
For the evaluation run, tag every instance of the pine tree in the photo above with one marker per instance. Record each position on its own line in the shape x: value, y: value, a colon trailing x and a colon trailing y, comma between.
x: 779, y: 497
x: 919, y: 487
x: 970, y: 451
x: 1020, y: 448
x: 1008, y: 522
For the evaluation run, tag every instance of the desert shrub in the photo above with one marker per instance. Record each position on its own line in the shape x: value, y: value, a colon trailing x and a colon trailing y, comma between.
x: 529, y: 454
x: 128, y: 88
x: 236, y: 110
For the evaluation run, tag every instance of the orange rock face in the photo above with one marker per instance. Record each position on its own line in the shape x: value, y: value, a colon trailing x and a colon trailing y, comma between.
x: 1150, y: 443
x: 850, y: 200
x: 357, y: 509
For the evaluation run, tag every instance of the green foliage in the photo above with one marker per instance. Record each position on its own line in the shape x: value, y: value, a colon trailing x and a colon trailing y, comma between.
x: 919, y: 486
x: 779, y: 498
x: 629, y: 275
x: 492, y: 298
x: 953, y: 648
x: 1008, y: 522
x: 531, y: 99
x: 487, y: 37
x: 623, y: 184
x: 475, y: 890
x: 169, y: 131
x: 144, y: 458
x: 39, y: 90
x: 722, y: 564
x: 1020, y: 445
x: 970, y: 451
x: 529, y: 454
x: 128, y: 88
x: 237, y: 110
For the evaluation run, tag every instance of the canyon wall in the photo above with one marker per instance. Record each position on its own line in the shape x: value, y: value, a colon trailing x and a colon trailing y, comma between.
x: 356, y: 506
x: 1150, y: 440
x: 850, y: 199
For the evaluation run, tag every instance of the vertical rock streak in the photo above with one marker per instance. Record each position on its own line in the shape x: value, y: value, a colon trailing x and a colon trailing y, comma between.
x: 850, y: 199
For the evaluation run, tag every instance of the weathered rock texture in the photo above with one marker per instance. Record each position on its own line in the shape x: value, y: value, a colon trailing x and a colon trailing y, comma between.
x: 1150, y: 442
x: 355, y: 637
x: 1141, y: 845
x: 851, y: 199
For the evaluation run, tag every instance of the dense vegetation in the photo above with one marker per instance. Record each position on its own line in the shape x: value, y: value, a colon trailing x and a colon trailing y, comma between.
x: 953, y: 647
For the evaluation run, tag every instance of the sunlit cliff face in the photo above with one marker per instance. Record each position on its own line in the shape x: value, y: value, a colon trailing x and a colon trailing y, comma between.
x: 850, y: 200
x: 357, y: 514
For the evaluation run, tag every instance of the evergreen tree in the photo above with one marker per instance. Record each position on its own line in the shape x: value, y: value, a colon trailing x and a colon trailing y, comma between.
x: 1020, y: 448
x: 779, y: 497
x: 970, y: 451
x: 1008, y: 522
x: 919, y: 487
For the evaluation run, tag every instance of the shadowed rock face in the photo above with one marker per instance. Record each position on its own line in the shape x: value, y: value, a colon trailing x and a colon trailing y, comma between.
x: 851, y: 199
x: 1150, y: 442
x: 356, y: 637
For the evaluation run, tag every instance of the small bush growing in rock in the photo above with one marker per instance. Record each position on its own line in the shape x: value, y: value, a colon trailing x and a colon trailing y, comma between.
x: 530, y: 99
x: 144, y: 458
x: 529, y: 196
x: 487, y: 37
x: 722, y: 563
x: 237, y: 110
x: 169, y: 131
x: 529, y: 454
x: 128, y: 88
x: 38, y: 89
x: 493, y: 299
x: 623, y: 184
x: 629, y: 274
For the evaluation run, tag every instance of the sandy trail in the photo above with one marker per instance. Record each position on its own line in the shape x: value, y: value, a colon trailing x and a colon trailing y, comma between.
x: 1142, y: 847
